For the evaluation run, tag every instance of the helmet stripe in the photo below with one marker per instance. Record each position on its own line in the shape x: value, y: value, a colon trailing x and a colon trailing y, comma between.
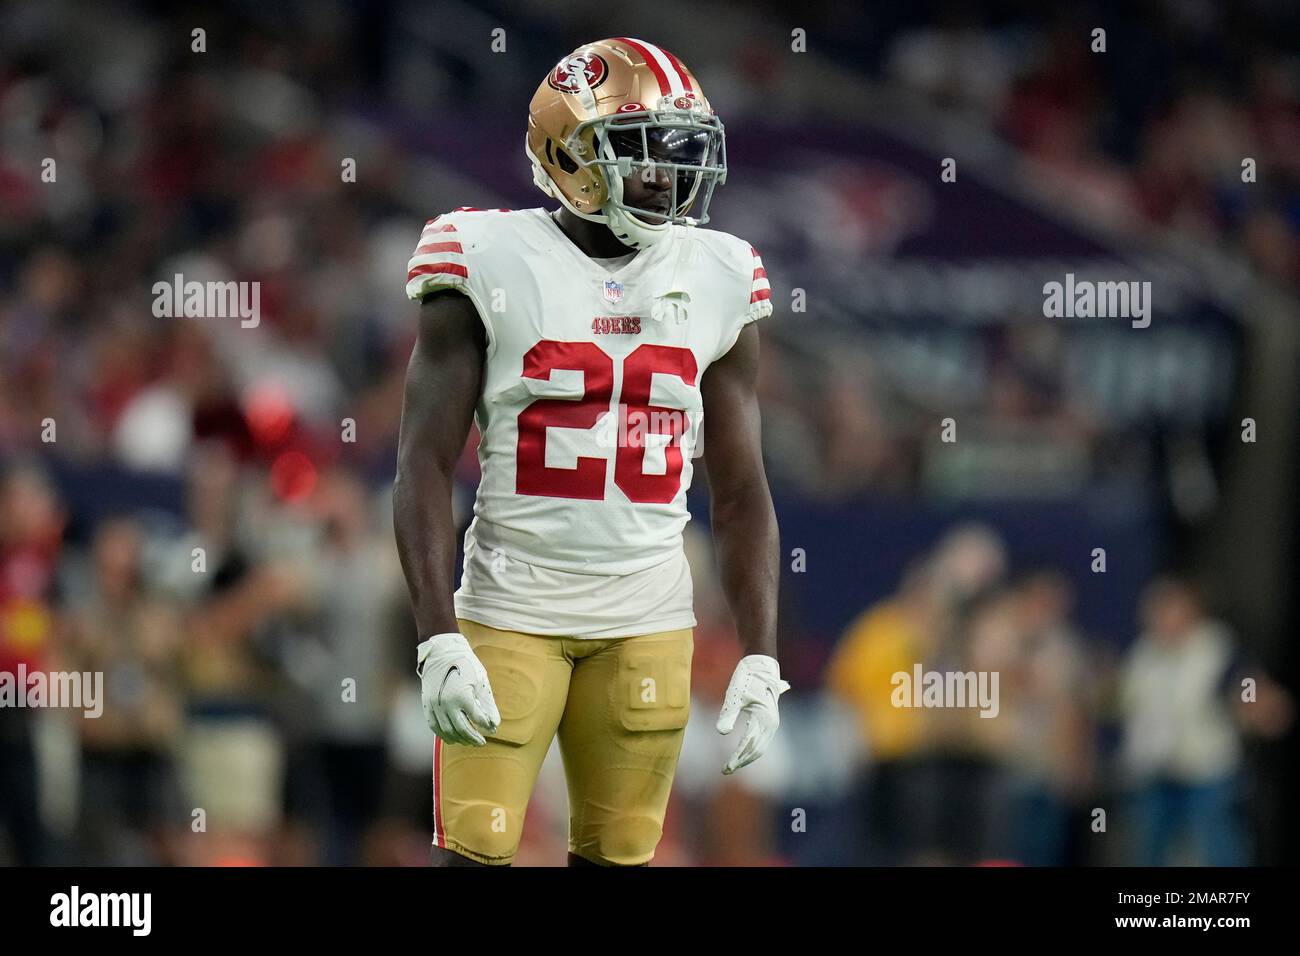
x: 670, y: 81
x: 681, y: 70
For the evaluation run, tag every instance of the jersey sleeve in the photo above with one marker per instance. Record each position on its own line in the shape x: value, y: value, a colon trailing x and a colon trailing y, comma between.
x: 760, y: 293
x: 748, y: 279
x: 450, y: 255
x: 439, y: 260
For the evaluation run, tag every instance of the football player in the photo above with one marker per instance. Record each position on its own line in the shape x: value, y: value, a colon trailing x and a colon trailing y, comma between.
x: 587, y: 343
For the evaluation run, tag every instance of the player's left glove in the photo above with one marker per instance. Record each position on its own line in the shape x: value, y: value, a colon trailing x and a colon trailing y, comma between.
x: 458, y: 701
x: 753, y: 691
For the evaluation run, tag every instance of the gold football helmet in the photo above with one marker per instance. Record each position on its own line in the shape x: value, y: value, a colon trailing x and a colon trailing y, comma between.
x: 617, y: 106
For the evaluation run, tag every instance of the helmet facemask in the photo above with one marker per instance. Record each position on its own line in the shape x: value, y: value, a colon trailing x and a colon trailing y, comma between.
x: 689, y: 147
x: 691, y: 152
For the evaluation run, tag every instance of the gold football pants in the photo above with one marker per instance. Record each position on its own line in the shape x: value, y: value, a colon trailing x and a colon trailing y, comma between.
x: 619, y: 706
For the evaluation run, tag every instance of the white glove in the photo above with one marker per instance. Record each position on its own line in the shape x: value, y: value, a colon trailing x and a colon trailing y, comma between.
x: 455, y: 690
x: 753, y: 690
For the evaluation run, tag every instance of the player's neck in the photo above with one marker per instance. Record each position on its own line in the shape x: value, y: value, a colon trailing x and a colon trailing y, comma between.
x: 593, y: 238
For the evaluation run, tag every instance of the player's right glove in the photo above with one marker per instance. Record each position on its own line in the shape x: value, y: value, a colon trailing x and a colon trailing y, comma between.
x: 754, y: 689
x: 454, y: 686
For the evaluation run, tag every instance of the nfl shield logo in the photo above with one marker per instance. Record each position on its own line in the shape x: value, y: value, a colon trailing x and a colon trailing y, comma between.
x: 613, y: 291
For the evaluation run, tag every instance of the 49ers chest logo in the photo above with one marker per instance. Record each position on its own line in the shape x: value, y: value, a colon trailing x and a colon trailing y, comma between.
x: 616, y: 325
x: 565, y: 75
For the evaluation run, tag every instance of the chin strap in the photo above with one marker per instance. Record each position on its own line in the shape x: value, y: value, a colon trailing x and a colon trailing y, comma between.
x: 540, y: 179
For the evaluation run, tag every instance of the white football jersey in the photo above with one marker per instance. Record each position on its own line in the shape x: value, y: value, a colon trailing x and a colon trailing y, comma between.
x: 590, y: 412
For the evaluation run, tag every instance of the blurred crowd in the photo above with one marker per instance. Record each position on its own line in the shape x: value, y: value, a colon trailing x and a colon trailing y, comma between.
x: 1152, y: 128
x: 1146, y: 138
x: 225, y: 165
x: 254, y: 659
x: 1094, y: 755
x: 262, y: 712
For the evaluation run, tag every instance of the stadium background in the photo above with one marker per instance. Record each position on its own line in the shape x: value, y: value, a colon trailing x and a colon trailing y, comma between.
x: 900, y: 301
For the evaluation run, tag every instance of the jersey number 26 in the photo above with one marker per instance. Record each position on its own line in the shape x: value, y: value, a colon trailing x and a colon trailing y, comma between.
x: 587, y: 480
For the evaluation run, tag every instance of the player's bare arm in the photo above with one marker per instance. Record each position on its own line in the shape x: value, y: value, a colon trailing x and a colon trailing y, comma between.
x: 746, y: 540
x: 442, y: 387
x: 744, y: 523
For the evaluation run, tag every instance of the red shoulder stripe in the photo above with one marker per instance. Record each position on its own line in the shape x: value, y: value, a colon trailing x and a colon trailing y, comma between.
x: 438, y: 268
x: 428, y: 247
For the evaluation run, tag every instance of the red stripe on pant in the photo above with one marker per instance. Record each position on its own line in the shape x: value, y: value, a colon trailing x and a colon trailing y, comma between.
x: 439, y: 838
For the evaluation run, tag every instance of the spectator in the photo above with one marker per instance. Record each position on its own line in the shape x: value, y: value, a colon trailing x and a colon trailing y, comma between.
x: 131, y: 805
x: 1048, y: 693
x: 31, y: 538
x: 888, y: 638
x: 1182, y: 745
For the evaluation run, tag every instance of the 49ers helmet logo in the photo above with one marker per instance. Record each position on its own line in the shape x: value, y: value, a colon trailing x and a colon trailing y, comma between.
x: 564, y: 77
